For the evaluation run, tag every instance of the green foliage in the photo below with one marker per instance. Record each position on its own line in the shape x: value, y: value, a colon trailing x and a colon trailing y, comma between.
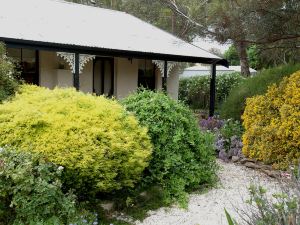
x: 234, y: 105
x: 183, y: 156
x: 195, y: 90
x: 229, y: 219
x: 8, y: 74
x: 30, y: 191
x: 234, y: 60
x: 232, y: 56
x: 232, y: 128
x: 100, y: 145
x: 282, y: 208
x: 254, y: 59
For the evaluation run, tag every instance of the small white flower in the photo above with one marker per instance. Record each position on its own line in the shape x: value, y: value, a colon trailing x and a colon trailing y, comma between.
x: 60, y: 168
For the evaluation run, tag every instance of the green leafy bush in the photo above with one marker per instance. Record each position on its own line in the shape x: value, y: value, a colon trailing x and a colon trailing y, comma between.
x: 232, y: 128
x: 102, y: 147
x: 30, y: 190
x: 8, y: 74
x: 195, y: 91
x: 234, y: 105
x: 183, y: 155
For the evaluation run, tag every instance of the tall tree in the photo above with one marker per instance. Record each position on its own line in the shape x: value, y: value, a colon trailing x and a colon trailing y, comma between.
x: 243, y: 22
x: 154, y: 12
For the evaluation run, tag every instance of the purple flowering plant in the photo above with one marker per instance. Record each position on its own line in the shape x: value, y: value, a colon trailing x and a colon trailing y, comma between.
x: 228, y: 136
x: 211, y: 124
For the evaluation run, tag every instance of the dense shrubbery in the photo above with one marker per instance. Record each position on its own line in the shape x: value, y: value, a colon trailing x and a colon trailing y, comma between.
x: 30, y: 191
x: 195, y: 90
x: 183, y: 156
x: 272, y: 124
x: 8, y: 74
x: 234, y: 105
x: 101, y: 147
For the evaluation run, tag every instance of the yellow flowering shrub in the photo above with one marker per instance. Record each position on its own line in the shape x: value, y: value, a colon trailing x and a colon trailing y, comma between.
x: 272, y: 124
x: 101, y: 147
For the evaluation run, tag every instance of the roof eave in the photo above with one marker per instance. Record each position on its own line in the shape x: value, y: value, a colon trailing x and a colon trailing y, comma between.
x: 11, y: 42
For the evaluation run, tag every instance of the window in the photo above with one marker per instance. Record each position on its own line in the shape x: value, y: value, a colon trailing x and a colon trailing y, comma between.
x: 146, y: 74
x: 28, y: 61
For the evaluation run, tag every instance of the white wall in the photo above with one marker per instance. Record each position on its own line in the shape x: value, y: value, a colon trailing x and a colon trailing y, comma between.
x: 86, y: 78
x: 126, y: 76
x: 48, y: 66
x: 51, y: 76
x: 64, y: 78
x: 125, y: 72
x: 172, y: 82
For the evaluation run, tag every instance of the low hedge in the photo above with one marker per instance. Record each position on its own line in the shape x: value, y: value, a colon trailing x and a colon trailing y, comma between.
x: 272, y: 124
x: 195, y: 91
x: 234, y: 105
x: 101, y: 146
x: 183, y: 156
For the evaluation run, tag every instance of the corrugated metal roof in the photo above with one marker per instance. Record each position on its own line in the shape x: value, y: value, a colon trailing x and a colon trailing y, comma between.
x: 60, y: 22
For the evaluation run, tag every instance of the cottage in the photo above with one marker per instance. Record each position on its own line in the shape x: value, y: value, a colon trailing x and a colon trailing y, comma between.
x: 95, y: 50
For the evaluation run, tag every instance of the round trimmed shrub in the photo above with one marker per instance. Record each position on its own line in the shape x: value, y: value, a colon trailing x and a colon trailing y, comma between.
x: 102, y: 147
x: 272, y: 124
x: 183, y: 156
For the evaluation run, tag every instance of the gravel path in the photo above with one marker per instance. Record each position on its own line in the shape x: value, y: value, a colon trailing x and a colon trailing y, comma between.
x: 208, y: 208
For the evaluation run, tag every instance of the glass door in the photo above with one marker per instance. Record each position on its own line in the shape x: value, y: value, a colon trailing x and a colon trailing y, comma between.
x: 103, y: 76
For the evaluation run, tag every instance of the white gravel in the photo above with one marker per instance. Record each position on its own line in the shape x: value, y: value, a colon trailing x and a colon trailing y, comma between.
x: 208, y: 208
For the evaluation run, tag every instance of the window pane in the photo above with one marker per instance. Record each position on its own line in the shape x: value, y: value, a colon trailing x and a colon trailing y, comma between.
x: 146, y: 74
x: 14, y: 53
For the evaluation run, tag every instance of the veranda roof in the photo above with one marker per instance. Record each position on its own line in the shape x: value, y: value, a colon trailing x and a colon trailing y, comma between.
x: 68, y: 26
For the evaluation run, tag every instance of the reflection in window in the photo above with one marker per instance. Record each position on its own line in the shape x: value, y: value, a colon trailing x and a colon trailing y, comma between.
x: 146, y: 75
x: 28, y: 61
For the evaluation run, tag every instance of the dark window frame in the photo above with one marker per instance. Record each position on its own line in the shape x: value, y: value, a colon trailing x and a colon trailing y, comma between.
x: 36, y: 73
x: 112, y: 63
x: 145, y: 79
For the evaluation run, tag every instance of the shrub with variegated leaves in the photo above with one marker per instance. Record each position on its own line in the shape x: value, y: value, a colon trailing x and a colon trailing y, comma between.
x: 272, y: 124
x: 101, y: 146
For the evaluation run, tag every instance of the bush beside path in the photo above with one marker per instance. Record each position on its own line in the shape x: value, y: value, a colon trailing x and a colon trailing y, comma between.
x: 208, y: 208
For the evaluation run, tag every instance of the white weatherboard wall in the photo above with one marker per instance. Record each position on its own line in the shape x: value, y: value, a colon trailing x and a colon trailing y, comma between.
x: 51, y: 76
x: 172, y: 82
x: 48, y: 66
x: 126, y: 76
x: 86, y: 78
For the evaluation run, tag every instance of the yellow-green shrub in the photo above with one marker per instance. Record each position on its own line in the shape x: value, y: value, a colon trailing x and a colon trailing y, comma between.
x: 272, y: 123
x: 101, y: 146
